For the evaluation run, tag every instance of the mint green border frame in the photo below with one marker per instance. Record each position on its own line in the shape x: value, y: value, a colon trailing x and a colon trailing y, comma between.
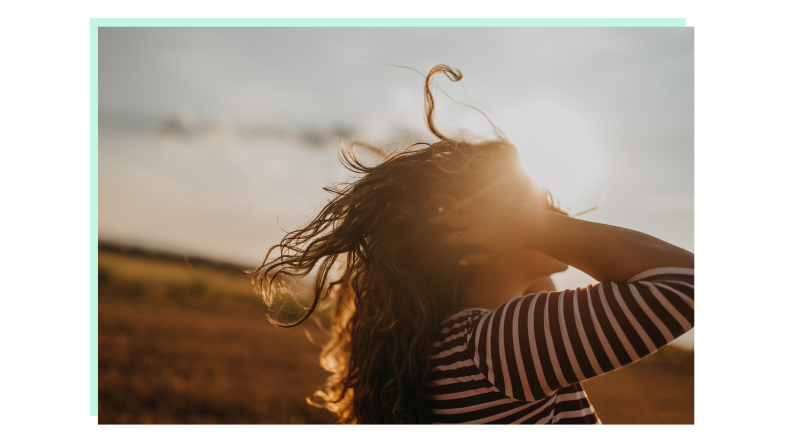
x: 94, y: 113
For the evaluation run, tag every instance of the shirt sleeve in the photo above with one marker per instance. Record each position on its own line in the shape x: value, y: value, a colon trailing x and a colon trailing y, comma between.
x: 533, y: 345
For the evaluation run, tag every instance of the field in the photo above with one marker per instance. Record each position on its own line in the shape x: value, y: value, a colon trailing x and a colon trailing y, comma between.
x: 183, y: 341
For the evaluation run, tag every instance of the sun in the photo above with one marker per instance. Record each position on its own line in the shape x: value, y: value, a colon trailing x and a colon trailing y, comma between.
x: 560, y: 150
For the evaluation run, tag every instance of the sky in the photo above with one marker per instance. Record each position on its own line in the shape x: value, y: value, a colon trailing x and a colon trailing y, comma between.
x: 213, y: 139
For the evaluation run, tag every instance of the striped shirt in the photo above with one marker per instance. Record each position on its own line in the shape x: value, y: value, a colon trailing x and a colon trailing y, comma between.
x: 523, y: 362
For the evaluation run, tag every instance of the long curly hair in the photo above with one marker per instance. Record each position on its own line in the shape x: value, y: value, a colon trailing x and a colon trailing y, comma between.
x: 377, y: 255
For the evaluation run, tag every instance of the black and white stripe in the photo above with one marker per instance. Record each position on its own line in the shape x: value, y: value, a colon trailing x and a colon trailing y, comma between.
x: 522, y: 362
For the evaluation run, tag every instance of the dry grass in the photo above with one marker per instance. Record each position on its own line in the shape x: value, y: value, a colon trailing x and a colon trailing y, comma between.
x: 183, y: 343
x: 656, y: 390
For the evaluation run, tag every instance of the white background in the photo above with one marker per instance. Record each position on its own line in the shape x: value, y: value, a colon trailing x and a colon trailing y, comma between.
x: 742, y: 145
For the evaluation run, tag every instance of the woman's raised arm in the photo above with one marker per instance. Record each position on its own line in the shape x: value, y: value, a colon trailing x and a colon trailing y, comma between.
x: 505, y: 225
x: 602, y: 251
x: 534, y: 345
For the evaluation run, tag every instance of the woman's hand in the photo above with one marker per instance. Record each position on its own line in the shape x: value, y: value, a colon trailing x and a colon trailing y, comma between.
x: 503, y: 225
x: 498, y: 223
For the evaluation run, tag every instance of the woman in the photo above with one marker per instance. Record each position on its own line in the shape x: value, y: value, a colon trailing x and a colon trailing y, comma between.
x: 424, y: 254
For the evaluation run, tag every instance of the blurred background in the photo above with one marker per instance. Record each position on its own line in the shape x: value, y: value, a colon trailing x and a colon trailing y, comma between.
x: 213, y: 139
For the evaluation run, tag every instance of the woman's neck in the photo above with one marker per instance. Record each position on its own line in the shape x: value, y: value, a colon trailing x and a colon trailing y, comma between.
x: 487, y: 287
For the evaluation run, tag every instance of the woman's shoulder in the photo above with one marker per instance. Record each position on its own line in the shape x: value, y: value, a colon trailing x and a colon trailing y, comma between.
x: 464, y: 314
x: 460, y: 319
